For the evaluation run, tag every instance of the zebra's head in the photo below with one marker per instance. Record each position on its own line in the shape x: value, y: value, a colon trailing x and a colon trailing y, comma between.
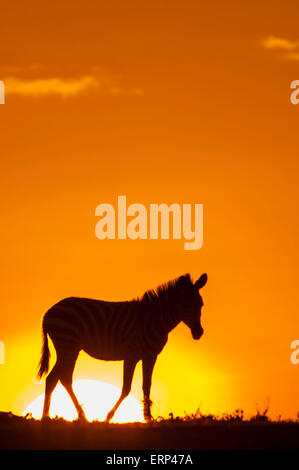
x: 191, y: 314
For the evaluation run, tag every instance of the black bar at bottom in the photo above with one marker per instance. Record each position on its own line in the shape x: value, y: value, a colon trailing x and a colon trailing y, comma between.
x: 154, y: 458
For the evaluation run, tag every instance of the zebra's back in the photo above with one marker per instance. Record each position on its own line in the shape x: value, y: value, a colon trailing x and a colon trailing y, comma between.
x: 104, y: 330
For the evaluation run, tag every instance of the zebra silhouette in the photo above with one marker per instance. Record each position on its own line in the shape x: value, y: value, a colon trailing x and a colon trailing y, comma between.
x: 130, y: 331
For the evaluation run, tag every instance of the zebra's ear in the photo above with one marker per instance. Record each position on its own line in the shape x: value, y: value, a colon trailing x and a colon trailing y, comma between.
x: 201, y: 282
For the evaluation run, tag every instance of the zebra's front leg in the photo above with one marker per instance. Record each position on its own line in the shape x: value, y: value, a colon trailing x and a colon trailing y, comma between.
x: 129, y: 368
x: 148, y: 364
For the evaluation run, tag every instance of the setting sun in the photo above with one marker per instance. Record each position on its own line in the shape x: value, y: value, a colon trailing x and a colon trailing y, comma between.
x: 97, y: 399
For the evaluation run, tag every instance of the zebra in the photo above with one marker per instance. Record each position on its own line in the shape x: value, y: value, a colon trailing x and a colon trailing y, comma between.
x: 131, y: 331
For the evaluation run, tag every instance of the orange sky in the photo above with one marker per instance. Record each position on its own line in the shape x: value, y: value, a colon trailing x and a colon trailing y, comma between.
x: 162, y: 101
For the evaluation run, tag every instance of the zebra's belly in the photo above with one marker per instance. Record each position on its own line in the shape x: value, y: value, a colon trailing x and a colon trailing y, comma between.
x: 103, y: 355
x: 118, y: 353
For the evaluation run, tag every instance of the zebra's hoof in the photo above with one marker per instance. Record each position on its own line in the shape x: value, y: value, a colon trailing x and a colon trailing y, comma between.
x: 82, y: 418
x: 109, y: 417
x: 148, y: 418
x: 45, y: 419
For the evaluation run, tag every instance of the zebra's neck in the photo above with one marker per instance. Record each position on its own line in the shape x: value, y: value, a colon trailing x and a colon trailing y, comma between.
x: 170, y: 313
x: 165, y: 313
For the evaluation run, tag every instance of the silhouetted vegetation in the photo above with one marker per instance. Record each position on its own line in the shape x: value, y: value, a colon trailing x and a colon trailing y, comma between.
x: 192, y: 431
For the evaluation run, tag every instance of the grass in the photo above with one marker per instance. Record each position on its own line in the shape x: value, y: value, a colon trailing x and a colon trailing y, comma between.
x: 192, y: 431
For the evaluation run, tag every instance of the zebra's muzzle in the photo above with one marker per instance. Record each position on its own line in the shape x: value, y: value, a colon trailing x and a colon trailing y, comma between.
x: 197, y: 333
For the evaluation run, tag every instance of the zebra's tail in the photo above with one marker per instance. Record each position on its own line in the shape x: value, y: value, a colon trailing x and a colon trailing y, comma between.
x: 45, y: 357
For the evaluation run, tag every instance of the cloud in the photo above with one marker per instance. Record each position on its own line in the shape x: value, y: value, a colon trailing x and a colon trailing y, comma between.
x: 66, y: 87
x: 136, y: 91
x: 292, y: 56
x: 289, y: 49
x: 49, y: 86
x: 273, y: 42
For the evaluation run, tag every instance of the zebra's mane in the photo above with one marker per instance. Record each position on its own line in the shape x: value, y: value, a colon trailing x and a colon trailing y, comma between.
x: 170, y: 290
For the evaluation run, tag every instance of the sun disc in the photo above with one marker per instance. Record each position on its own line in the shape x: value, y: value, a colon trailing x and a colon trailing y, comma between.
x: 96, y: 397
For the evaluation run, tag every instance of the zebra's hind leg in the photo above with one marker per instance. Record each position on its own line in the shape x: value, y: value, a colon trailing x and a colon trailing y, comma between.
x: 66, y: 378
x: 51, y: 382
x: 129, y: 368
